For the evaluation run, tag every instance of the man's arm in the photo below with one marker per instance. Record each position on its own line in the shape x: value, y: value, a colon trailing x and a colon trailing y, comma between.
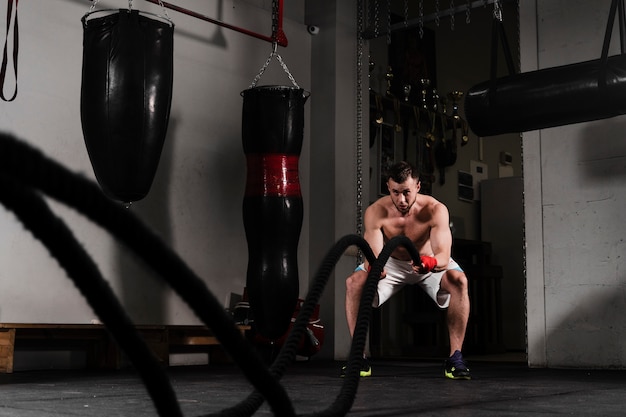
x: 441, y: 236
x: 373, y: 233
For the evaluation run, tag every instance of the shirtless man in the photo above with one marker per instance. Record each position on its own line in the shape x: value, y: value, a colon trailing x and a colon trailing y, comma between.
x: 425, y: 221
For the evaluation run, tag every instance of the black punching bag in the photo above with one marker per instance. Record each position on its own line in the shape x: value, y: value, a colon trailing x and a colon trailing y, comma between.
x: 125, y: 98
x: 272, y: 130
x: 550, y: 97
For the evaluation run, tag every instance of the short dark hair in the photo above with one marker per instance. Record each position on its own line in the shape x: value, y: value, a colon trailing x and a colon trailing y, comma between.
x: 401, y: 171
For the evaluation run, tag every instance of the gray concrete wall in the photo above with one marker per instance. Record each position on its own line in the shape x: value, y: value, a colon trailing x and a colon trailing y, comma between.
x: 574, y: 187
x: 195, y: 202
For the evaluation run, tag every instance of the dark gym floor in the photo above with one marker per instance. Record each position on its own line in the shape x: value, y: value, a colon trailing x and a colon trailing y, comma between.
x: 396, y: 388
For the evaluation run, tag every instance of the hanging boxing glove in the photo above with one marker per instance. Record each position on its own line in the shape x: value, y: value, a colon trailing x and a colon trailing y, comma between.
x: 126, y: 96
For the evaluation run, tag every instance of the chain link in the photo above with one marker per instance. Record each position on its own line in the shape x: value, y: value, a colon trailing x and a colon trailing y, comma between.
x: 93, y: 6
x: 421, y: 19
x: 359, y: 125
x: 274, y: 19
x: 468, y: 12
x: 497, y: 10
x: 388, y: 22
x: 267, y: 63
x: 437, y: 13
x: 130, y: 7
x: 376, y: 19
x: 451, y: 14
x: 406, y: 13
x: 274, y: 52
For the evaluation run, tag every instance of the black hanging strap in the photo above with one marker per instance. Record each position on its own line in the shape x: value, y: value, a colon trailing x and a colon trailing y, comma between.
x: 497, y: 32
x: 622, y: 25
x: 3, y: 69
x: 617, y: 6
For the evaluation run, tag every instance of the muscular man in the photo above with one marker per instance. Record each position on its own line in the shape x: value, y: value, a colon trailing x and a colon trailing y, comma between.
x: 425, y: 221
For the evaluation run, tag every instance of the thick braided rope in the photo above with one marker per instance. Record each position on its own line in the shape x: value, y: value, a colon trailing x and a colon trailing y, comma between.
x: 31, y: 168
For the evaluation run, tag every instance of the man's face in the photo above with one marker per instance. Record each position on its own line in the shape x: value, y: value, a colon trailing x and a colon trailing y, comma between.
x: 403, y: 194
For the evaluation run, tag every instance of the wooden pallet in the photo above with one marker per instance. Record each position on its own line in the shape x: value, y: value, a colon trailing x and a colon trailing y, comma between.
x: 101, y: 351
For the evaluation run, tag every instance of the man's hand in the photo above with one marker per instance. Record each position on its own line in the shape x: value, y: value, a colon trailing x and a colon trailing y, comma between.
x: 428, y: 264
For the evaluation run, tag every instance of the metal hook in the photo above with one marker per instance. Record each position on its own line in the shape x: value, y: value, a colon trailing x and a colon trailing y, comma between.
x: 497, y: 10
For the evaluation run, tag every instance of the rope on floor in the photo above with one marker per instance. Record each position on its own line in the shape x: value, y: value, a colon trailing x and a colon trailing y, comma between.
x: 23, y: 170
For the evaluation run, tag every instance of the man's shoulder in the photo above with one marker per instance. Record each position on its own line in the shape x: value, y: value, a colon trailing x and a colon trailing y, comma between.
x: 381, y: 203
x: 432, y: 202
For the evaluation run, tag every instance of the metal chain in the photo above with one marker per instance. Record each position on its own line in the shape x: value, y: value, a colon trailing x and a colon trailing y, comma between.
x: 164, y: 11
x: 274, y: 51
x: 130, y: 7
x: 468, y: 12
x: 521, y: 141
x: 267, y: 63
x: 406, y: 13
x: 421, y: 19
x: 359, y: 125
x: 93, y: 6
x: 388, y: 22
x: 437, y: 13
x: 376, y: 19
x: 274, y: 19
x: 451, y: 14
x: 497, y: 10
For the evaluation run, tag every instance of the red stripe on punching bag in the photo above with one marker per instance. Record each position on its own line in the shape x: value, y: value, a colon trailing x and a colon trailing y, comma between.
x: 272, y: 175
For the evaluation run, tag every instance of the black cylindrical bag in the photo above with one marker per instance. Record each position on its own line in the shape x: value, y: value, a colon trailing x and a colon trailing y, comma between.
x: 126, y: 96
x: 546, y: 98
x: 551, y: 97
x: 272, y: 134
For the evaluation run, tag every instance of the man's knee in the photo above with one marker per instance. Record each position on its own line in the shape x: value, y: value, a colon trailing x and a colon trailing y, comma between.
x: 455, y: 279
x: 356, y: 281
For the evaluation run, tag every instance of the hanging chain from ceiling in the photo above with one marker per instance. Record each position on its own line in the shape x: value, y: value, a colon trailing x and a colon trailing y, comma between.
x: 359, y: 122
x: 433, y: 12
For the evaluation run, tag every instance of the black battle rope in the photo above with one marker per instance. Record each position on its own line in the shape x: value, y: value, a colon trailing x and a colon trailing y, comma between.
x: 288, y: 351
x: 30, y: 167
x: 32, y: 210
x: 23, y: 168
x: 345, y: 399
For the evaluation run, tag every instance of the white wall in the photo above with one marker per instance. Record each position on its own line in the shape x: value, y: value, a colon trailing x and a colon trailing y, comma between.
x: 575, y: 194
x: 574, y: 175
x: 195, y: 202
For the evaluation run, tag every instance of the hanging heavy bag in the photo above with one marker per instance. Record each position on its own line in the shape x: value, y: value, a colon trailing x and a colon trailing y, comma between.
x: 551, y: 97
x: 125, y: 98
x: 272, y: 133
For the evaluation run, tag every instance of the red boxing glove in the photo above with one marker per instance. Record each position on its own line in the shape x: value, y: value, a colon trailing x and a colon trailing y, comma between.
x: 428, y: 263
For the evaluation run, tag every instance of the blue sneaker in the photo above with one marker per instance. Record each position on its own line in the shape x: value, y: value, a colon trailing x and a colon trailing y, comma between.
x: 455, y: 367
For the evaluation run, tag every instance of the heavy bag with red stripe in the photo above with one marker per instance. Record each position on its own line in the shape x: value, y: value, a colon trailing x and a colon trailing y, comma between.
x: 272, y: 133
x: 126, y: 95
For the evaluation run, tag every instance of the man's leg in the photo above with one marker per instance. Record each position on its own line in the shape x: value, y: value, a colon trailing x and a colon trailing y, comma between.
x: 455, y: 282
x: 354, y: 290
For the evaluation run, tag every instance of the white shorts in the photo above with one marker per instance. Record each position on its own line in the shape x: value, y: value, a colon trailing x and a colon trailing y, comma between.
x: 401, y: 273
